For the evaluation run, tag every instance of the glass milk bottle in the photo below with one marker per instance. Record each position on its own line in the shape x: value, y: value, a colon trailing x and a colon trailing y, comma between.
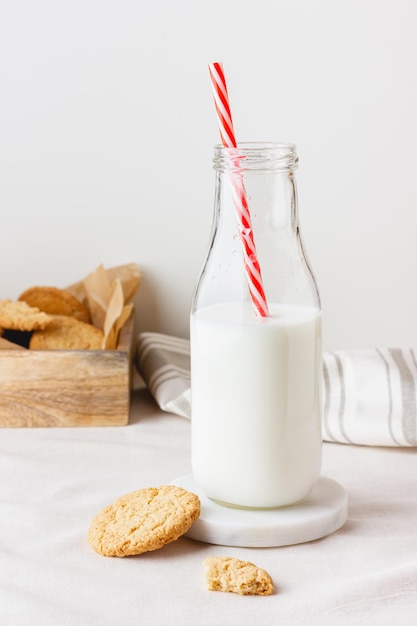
x: 256, y: 380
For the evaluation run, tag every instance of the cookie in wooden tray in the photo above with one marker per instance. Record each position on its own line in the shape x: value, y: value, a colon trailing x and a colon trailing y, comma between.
x: 143, y: 520
x: 56, y: 301
x: 67, y: 333
x: 22, y: 316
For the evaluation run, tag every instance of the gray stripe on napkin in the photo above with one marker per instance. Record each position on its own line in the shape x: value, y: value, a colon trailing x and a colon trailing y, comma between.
x: 408, y: 394
x: 342, y: 397
x: 389, y: 387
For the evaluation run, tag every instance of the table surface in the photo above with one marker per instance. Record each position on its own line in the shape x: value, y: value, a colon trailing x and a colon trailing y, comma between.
x: 53, y: 481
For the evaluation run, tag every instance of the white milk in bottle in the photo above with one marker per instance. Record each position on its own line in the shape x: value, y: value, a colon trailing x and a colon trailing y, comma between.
x: 256, y: 404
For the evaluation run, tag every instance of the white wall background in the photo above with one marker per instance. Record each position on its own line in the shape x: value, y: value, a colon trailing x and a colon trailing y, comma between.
x: 107, y: 127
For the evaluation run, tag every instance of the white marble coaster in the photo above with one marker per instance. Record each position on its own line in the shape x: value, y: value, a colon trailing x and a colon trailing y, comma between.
x: 322, y: 513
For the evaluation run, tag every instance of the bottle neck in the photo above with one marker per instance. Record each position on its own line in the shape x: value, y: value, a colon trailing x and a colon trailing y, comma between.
x: 262, y: 176
x: 256, y: 238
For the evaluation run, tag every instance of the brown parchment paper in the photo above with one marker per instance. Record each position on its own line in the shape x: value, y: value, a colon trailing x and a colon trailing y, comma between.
x: 108, y: 294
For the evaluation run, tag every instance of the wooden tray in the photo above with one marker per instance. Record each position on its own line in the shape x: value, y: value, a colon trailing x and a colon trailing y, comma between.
x: 42, y: 388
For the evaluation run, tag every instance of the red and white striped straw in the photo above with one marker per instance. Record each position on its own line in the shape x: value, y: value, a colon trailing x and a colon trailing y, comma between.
x: 227, y: 134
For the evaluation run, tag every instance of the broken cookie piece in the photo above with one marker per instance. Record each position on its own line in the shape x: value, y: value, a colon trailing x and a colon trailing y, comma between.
x: 21, y: 316
x: 228, y: 574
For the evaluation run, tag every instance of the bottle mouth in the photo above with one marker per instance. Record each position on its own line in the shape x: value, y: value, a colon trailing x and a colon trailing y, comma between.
x: 256, y: 156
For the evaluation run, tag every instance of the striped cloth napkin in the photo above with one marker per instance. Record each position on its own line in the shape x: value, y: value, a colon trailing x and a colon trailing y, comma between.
x: 369, y: 396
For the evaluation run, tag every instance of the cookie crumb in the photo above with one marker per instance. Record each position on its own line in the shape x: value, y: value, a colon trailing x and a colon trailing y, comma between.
x: 232, y: 575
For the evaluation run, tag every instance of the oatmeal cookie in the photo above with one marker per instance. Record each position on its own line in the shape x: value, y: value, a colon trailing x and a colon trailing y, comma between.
x: 56, y: 302
x: 67, y: 333
x: 143, y: 520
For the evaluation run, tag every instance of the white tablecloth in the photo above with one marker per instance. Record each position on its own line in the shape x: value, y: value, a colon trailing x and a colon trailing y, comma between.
x: 53, y: 481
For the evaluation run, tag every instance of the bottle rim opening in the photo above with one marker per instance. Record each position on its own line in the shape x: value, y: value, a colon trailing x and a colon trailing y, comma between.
x: 259, y: 156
